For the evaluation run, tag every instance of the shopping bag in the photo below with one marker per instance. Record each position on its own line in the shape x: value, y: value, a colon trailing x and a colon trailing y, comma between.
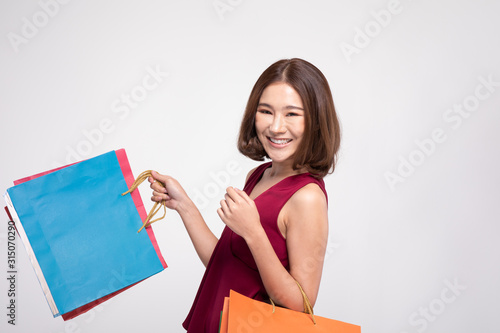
x: 243, y: 314
x: 81, y: 233
x: 223, y: 316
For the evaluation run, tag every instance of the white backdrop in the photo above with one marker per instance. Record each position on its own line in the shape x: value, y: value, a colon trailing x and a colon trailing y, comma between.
x: 414, y: 238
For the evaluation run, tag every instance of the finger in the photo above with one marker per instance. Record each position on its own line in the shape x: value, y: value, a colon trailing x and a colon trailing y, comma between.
x: 159, y: 177
x: 224, y: 206
x: 232, y: 194
x: 161, y: 196
x: 243, y: 195
x: 221, y: 215
x: 158, y: 187
x: 158, y: 194
x: 228, y: 199
x: 156, y: 198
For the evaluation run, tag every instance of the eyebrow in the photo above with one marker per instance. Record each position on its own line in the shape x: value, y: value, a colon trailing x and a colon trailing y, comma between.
x: 288, y: 107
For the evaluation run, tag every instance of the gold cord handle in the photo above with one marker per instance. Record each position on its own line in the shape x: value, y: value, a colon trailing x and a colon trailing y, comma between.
x: 147, y: 222
x: 307, y: 304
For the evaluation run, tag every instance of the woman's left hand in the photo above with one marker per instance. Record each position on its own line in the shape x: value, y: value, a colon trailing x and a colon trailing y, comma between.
x: 238, y: 211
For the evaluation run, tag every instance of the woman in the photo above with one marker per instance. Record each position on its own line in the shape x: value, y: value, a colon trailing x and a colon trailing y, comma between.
x: 277, y: 226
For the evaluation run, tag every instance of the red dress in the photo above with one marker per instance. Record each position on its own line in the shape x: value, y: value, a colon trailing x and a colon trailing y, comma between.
x: 232, y: 265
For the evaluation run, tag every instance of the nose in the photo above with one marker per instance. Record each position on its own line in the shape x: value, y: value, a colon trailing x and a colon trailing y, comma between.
x: 278, y: 124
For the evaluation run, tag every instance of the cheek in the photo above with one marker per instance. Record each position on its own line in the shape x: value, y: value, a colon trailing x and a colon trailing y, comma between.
x: 299, y: 129
x: 259, y: 124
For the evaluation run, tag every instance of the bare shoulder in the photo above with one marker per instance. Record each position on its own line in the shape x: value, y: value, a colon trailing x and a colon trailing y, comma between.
x: 309, y: 196
x: 307, y: 204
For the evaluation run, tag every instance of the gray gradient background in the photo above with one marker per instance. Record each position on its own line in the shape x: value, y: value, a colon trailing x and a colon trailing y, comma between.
x: 392, y: 252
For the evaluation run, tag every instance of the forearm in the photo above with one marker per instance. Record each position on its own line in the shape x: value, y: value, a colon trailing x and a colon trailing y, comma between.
x: 280, y: 285
x: 203, y: 239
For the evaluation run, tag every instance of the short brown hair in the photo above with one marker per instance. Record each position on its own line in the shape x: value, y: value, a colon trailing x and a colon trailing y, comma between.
x: 317, y: 152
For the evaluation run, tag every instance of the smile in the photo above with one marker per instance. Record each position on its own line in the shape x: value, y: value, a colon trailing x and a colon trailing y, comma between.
x: 279, y: 141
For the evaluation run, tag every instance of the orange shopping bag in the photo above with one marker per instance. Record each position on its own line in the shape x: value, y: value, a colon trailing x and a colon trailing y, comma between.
x: 242, y: 314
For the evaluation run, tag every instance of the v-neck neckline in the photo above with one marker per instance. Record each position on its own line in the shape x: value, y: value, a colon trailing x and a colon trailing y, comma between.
x: 272, y: 186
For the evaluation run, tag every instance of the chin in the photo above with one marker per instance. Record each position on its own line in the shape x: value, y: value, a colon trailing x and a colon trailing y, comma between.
x: 280, y: 159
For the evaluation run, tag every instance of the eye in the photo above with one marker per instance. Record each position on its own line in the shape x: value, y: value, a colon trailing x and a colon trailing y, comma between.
x: 292, y: 114
x: 264, y: 111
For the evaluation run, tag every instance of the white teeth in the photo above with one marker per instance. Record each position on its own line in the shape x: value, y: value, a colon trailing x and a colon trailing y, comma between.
x: 280, y: 141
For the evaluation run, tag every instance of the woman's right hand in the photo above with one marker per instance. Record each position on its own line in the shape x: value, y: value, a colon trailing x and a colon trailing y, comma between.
x: 172, y: 193
x: 176, y: 198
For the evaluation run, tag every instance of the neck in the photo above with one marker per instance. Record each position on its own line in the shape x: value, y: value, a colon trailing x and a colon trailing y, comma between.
x: 283, y: 169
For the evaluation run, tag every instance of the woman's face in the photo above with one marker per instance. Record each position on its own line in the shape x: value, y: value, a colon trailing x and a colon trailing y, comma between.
x: 280, y: 121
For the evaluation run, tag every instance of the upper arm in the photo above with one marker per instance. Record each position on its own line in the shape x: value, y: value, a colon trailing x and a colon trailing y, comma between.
x: 307, y: 236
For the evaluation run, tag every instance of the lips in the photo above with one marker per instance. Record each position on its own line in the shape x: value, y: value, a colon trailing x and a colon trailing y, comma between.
x: 280, y: 142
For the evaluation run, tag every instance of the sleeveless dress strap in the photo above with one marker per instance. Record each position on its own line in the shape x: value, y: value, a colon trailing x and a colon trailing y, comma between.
x: 255, y: 177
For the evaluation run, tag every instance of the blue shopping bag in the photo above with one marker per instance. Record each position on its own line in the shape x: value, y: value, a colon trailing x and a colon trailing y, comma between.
x: 81, y: 233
